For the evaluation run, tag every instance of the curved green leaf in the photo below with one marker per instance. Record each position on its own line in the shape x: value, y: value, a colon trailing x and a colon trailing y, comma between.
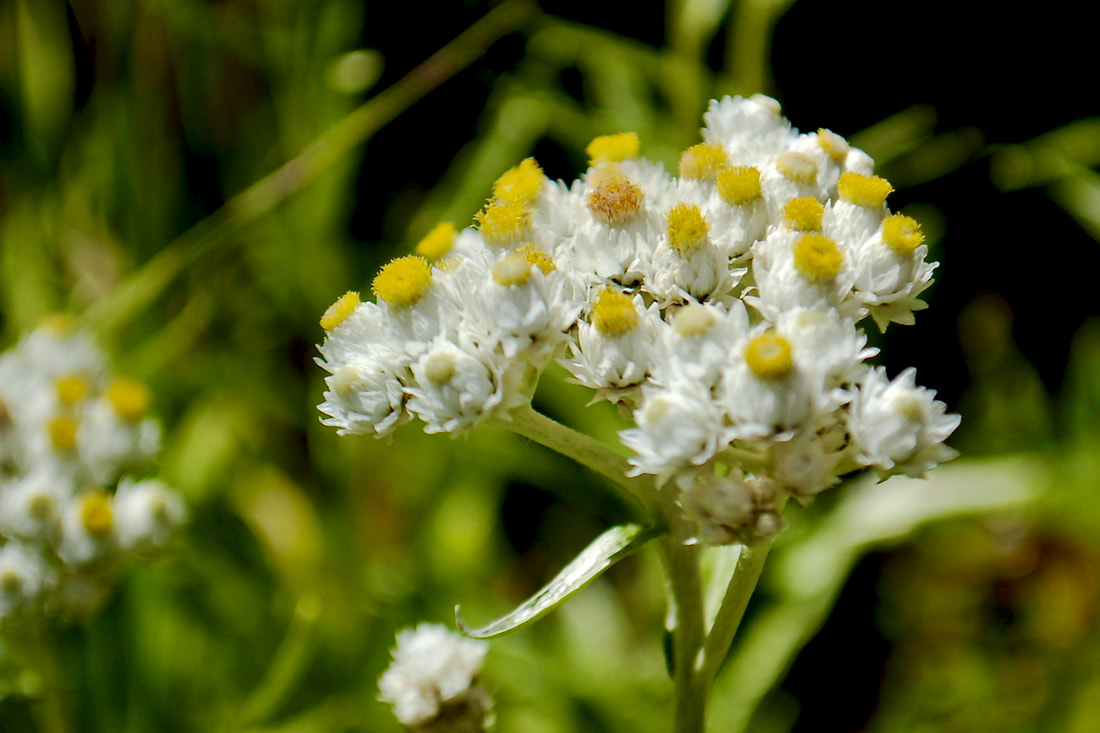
x: 606, y: 550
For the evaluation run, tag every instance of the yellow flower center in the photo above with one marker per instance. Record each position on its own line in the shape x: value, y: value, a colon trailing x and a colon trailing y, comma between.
x: 687, y: 229
x: 63, y: 433
x: 613, y: 148
x: 503, y: 222
x: 129, y: 398
x: 512, y: 269
x: 538, y: 257
x: 402, y: 281
x: 769, y: 356
x: 96, y: 515
x: 817, y: 257
x: 703, y: 162
x: 861, y: 190
x: 440, y: 367
x: 339, y: 311
x: 42, y: 506
x: 71, y: 389
x: 804, y: 214
x: 613, y: 198
x: 521, y: 184
x: 902, y: 234
x: 797, y: 167
x: 613, y: 313
x: 739, y: 185
x: 438, y: 241
x: 694, y: 320
x: 834, y: 145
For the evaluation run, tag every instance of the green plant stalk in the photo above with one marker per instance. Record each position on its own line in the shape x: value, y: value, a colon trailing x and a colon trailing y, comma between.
x: 49, y: 709
x: 141, y: 288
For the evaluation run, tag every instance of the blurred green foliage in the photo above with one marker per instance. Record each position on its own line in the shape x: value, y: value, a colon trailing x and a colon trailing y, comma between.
x: 182, y: 176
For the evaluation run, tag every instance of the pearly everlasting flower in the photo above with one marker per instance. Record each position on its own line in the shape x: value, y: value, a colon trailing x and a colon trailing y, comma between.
x: 432, y: 682
x: 146, y: 514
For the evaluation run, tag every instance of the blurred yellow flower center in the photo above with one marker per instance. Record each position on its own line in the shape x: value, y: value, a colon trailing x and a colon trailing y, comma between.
x: 769, y: 356
x: 703, y: 162
x: 804, y: 214
x: 817, y: 257
x: 861, y: 190
x: 438, y: 241
x: 71, y: 389
x: 694, y: 320
x: 902, y: 234
x: 42, y: 506
x: 538, y: 257
x: 613, y: 148
x: 339, y: 311
x: 11, y: 582
x: 512, y: 269
x: 402, y: 281
x: 797, y: 167
x: 63, y: 433
x: 129, y: 398
x: 613, y: 313
x: 687, y: 229
x: 834, y: 145
x: 613, y: 198
x: 440, y: 367
x: 503, y: 222
x: 95, y: 514
x: 739, y: 185
x: 521, y: 184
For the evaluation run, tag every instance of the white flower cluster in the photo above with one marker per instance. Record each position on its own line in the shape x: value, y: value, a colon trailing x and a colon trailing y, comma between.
x: 432, y: 682
x: 69, y: 517
x: 721, y: 308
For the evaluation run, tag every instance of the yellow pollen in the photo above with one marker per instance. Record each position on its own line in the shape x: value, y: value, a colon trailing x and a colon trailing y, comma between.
x: 439, y: 367
x: 129, y: 398
x: 613, y: 313
x: 694, y: 320
x: 817, y: 257
x: 63, y: 433
x: 804, y: 214
x: 448, y: 264
x: 769, y: 356
x: 402, y: 281
x: 437, y: 242
x: 687, y: 229
x: 861, y: 190
x: 71, y: 389
x: 95, y: 514
x: 520, y: 185
x: 797, y: 167
x: 537, y: 256
x: 512, y: 269
x: 834, y: 145
x: 339, y: 311
x: 503, y: 222
x: 902, y: 234
x: 614, y: 198
x: 613, y: 148
x: 739, y: 185
x: 703, y: 162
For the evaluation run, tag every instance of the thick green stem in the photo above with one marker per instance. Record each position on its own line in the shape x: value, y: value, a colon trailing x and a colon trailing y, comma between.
x: 682, y: 566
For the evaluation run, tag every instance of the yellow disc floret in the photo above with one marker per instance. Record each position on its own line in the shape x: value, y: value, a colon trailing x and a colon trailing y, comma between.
x: 861, y: 190
x: 613, y: 313
x: 739, y: 185
x: 71, y: 388
x: 693, y: 320
x: 96, y: 515
x: 440, y: 367
x: 503, y: 222
x: 537, y: 256
x: 902, y: 234
x: 613, y: 148
x: 339, y: 311
x: 769, y: 356
x: 687, y: 229
x: 834, y: 145
x: 797, y: 167
x: 816, y: 257
x: 804, y: 214
x: 437, y: 242
x: 521, y: 184
x: 704, y: 162
x: 402, y: 281
x: 512, y: 269
x: 613, y: 198
x: 129, y: 398
x: 63, y: 433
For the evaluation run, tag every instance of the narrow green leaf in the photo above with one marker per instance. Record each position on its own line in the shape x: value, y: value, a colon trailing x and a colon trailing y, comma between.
x: 607, y: 549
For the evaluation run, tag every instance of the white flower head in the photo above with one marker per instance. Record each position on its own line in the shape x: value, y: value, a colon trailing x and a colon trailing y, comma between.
x: 24, y: 576
x: 433, y: 677
x: 31, y: 505
x: 453, y: 389
x: 676, y: 428
x: 146, y: 514
x: 731, y: 509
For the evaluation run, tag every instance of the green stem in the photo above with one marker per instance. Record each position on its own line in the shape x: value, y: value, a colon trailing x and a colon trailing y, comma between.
x: 49, y: 708
x: 137, y: 291
x: 740, y: 588
x: 682, y: 566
